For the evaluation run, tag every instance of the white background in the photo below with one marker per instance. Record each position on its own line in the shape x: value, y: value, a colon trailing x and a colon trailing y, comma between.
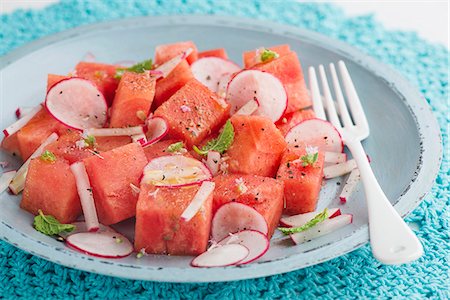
x: 429, y: 18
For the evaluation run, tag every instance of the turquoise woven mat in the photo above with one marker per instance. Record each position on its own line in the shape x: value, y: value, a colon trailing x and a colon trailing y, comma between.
x: 355, y: 275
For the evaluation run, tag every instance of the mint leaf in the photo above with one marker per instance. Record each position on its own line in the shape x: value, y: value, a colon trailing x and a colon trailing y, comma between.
x: 140, y: 67
x: 175, y: 147
x: 267, y: 55
x: 90, y: 140
x: 219, y: 144
x: 48, y: 224
x: 309, y: 159
x: 48, y: 156
x: 314, y: 221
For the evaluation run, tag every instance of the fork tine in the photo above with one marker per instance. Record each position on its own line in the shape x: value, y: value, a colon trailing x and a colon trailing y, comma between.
x: 355, y: 104
x: 315, y: 94
x: 343, y: 111
x: 329, y: 103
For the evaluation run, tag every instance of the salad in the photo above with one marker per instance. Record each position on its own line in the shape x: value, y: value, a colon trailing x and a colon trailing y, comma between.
x: 208, y: 157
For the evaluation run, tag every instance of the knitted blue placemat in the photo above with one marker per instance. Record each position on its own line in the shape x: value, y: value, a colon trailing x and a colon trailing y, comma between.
x: 355, y: 275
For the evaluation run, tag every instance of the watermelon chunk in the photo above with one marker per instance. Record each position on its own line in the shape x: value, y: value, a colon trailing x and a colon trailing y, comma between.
x: 106, y: 143
x: 165, y: 52
x: 66, y: 148
x: 52, y: 79
x: 100, y: 74
x: 193, y: 112
x: 262, y: 193
x: 160, y: 149
x: 249, y: 56
x: 134, y: 97
x: 11, y: 145
x: 51, y: 187
x: 110, y: 176
x: 166, y: 87
x: 288, y: 70
x: 301, y: 183
x: 290, y: 120
x: 257, y: 148
x: 219, y: 52
x: 159, y: 227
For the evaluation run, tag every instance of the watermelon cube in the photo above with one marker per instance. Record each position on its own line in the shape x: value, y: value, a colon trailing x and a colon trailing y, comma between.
x: 301, y: 183
x: 110, y: 176
x: 219, y: 52
x: 160, y: 149
x: 288, y: 70
x: 165, y: 52
x: 133, y: 100
x: 51, y: 187
x: 249, y: 57
x: 291, y: 119
x: 52, y: 79
x: 65, y: 147
x: 257, y: 148
x: 159, y: 227
x: 262, y: 193
x: 193, y: 113
x: 10, y: 144
x: 106, y: 143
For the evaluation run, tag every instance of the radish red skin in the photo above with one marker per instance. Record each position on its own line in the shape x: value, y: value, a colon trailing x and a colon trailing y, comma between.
x: 266, y: 248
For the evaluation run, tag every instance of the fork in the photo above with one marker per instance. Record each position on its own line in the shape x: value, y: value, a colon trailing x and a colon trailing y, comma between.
x: 391, y: 239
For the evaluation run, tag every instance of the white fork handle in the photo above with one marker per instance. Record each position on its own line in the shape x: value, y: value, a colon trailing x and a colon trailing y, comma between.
x: 391, y: 239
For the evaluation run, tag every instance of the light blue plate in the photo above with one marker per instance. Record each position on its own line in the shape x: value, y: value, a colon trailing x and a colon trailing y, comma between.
x: 404, y: 143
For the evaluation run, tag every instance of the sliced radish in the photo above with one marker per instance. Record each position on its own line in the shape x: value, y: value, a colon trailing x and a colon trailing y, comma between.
x: 316, y: 132
x: 213, y: 161
x: 139, y: 138
x: 221, y: 256
x: 6, y: 179
x: 233, y: 217
x: 326, y: 227
x: 157, y: 128
x: 106, y: 244
x: 77, y: 103
x: 82, y: 227
x: 350, y: 185
x: 209, y: 70
x: 339, y: 169
x: 166, y: 68
x: 25, y: 110
x: 18, y: 182
x: 16, y: 126
x: 249, y: 108
x: 256, y: 242
x: 261, y: 86
x: 127, y: 131
x: 174, y: 171
x: 206, y: 190
x: 86, y: 197
x: 334, y: 158
x: 302, y: 219
x: 222, y: 85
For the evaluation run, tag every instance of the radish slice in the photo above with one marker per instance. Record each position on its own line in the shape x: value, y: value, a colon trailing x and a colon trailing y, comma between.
x: 206, y: 190
x: 106, y: 244
x: 221, y: 256
x: 256, y: 242
x: 249, y: 108
x: 175, y: 171
x: 209, y: 70
x: 157, y: 128
x: 128, y: 131
x: 316, y: 132
x: 139, y: 138
x: 213, y: 161
x: 350, y: 185
x: 233, y: 217
x: 339, y: 169
x: 77, y: 103
x: 302, y: 219
x: 6, y: 179
x: 334, y: 157
x: 222, y: 85
x: 18, y: 182
x: 82, y: 227
x: 16, y: 126
x: 166, y: 68
x: 326, y: 227
x: 86, y: 198
x: 261, y: 86
x: 24, y: 110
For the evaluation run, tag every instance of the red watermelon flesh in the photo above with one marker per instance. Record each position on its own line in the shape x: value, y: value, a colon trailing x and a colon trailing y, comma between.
x: 65, y: 147
x: 159, y: 227
x: 290, y: 120
x: 165, y: 52
x: 160, y: 149
x: 249, y: 56
x: 219, y: 52
x: 106, y: 143
x: 11, y: 145
x: 53, y: 78
x: 262, y: 193
x: 51, y: 187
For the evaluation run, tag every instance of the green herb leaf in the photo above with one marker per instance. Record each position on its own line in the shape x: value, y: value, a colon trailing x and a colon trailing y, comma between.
x: 267, y: 55
x: 48, y: 156
x: 314, y: 221
x: 309, y: 159
x: 140, y: 67
x: 175, y: 147
x: 219, y: 144
x: 90, y: 140
x: 48, y: 225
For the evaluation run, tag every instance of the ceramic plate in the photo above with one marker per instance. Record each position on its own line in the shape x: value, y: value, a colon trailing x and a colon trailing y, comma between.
x: 404, y: 143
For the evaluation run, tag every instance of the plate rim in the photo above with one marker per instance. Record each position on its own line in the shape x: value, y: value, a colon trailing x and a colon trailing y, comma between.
x: 419, y: 186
